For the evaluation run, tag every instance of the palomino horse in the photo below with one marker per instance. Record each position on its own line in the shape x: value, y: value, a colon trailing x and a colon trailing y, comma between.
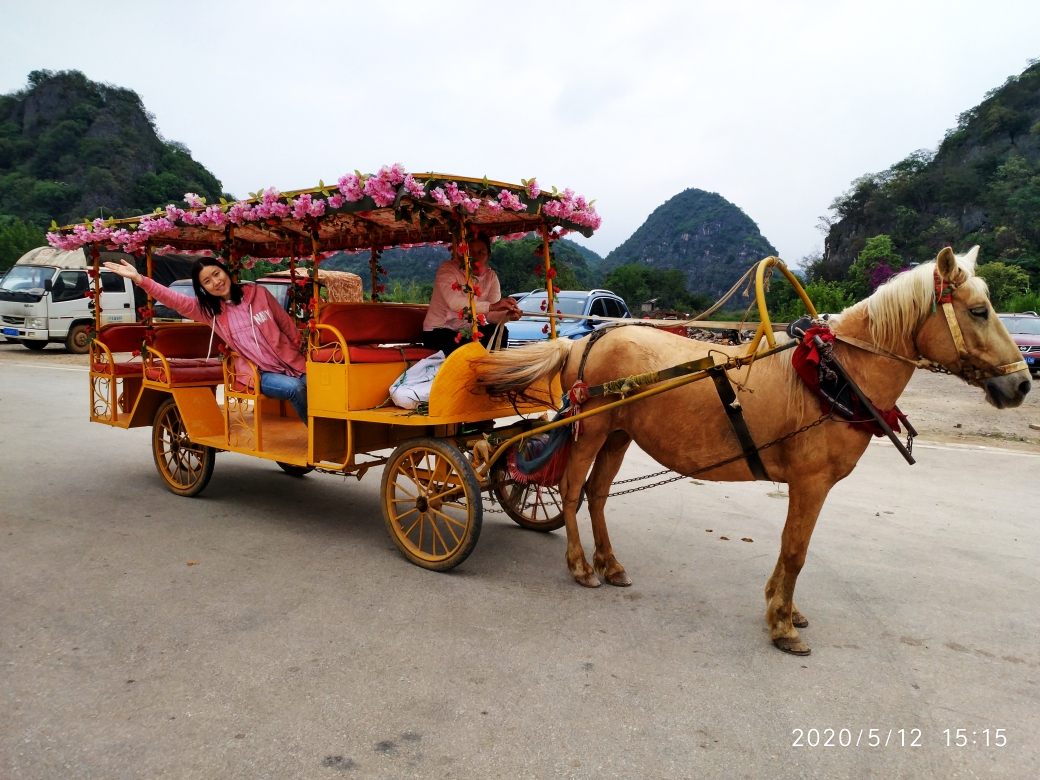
x: 685, y: 429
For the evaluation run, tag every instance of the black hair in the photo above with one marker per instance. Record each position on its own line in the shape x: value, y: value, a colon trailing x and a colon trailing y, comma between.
x: 211, y: 303
x: 484, y: 239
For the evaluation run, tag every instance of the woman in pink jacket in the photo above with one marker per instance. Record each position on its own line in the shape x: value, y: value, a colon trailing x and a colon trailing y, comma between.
x: 247, y: 317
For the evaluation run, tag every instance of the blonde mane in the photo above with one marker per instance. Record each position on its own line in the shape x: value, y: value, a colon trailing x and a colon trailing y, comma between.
x: 898, y: 306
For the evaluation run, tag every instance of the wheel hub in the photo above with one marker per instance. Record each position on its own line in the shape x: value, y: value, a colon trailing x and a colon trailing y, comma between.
x: 422, y: 504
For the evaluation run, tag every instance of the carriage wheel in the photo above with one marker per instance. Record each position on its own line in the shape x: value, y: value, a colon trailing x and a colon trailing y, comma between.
x: 185, y: 467
x: 431, y: 503
x: 535, y: 507
x: 294, y: 471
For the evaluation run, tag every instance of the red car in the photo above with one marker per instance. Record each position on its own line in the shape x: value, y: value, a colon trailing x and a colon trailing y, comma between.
x: 1025, y: 330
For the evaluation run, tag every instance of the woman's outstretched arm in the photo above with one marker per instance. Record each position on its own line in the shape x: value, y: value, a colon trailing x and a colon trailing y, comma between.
x: 186, y: 306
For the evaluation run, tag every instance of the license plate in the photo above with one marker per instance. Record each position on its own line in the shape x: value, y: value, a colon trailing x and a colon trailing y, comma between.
x: 1029, y: 361
x: 10, y: 331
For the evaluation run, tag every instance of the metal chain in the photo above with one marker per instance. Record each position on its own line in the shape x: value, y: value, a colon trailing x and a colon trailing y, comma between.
x: 792, y: 434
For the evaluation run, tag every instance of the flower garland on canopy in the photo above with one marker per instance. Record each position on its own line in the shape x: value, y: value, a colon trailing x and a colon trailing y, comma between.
x: 385, y: 188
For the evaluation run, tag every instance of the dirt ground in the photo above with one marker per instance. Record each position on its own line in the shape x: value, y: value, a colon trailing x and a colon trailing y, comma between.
x: 942, y: 408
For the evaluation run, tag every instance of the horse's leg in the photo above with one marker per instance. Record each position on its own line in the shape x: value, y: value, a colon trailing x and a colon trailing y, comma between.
x: 608, y: 463
x: 583, y: 453
x: 806, y: 500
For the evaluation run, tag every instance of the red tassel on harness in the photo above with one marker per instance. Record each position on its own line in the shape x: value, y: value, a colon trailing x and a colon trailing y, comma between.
x: 576, y: 396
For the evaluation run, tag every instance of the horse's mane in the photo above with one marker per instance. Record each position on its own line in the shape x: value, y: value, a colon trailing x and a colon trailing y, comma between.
x: 898, y: 306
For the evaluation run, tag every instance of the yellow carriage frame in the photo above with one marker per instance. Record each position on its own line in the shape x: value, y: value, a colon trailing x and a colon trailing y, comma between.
x: 441, y: 459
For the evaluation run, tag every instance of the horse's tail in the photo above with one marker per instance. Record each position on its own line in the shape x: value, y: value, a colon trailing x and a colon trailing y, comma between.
x: 512, y: 370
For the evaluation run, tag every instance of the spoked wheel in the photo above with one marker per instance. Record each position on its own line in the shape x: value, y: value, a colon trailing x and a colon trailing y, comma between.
x: 294, y: 471
x: 531, y: 506
x: 185, y: 467
x: 431, y: 503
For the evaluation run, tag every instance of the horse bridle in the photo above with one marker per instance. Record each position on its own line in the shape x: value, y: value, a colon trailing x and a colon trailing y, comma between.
x: 967, y: 371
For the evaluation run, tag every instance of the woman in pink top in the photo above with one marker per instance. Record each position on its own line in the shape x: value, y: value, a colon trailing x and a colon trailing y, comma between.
x: 442, y: 324
x: 247, y: 317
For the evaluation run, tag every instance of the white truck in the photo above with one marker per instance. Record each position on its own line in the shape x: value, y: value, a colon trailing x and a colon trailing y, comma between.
x: 43, y: 297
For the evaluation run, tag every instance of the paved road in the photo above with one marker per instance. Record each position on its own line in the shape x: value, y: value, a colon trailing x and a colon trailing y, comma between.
x: 303, y: 645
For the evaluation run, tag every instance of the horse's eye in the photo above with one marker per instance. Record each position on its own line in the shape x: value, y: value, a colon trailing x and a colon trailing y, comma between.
x: 980, y: 311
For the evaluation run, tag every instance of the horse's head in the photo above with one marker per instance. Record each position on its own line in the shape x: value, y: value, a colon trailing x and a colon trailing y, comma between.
x: 962, y: 332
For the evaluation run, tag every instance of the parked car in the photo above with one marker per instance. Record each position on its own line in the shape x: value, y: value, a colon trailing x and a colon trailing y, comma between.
x: 165, y: 313
x: 1025, y: 331
x: 597, y: 303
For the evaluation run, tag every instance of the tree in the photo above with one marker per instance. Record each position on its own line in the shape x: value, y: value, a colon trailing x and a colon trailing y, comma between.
x: 1004, y: 281
x: 876, y: 262
x: 17, y: 238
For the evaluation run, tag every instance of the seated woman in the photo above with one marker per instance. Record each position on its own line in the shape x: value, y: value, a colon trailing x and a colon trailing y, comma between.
x: 442, y: 324
x: 247, y: 317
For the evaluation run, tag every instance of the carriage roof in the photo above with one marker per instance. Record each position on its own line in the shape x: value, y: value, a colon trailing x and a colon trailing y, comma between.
x: 402, y: 211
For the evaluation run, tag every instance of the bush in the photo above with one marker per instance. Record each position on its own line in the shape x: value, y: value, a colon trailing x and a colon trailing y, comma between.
x: 1020, y: 303
x: 1005, y: 282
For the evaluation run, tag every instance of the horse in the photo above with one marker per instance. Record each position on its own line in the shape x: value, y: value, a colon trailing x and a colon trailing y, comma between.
x: 685, y: 429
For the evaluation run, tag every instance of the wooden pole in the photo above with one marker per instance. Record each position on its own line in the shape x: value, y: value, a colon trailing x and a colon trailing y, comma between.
x: 95, y: 255
x: 551, y: 310
x: 469, y: 278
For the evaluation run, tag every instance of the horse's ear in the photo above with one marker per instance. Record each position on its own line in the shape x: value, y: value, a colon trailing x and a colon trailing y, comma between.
x: 946, y: 263
x: 970, y: 260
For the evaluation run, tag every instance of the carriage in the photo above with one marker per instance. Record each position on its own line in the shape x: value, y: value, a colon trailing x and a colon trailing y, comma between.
x: 200, y: 398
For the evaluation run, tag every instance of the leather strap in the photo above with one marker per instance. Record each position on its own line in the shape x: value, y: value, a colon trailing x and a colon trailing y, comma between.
x: 736, y: 419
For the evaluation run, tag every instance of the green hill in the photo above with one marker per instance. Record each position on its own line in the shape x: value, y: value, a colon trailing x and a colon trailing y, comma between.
x: 710, y: 240
x: 69, y: 146
x: 981, y: 186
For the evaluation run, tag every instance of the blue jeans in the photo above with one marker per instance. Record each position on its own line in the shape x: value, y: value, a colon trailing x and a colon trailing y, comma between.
x: 287, y: 388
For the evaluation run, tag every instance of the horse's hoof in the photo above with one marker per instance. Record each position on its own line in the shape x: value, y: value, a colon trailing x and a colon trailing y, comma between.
x: 619, y: 578
x: 799, y: 620
x: 792, y: 645
x: 589, y: 580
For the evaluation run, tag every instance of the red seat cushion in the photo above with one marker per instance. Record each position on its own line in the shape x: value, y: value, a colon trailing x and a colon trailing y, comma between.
x: 126, y: 368
x: 368, y: 353
x: 372, y: 353
x: 188, y: 371
x: 186, y: 341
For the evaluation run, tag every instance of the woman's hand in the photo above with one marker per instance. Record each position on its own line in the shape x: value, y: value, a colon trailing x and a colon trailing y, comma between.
x: 125, y: 270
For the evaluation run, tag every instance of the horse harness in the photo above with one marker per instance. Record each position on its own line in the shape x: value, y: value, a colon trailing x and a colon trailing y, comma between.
x: 581, y: 392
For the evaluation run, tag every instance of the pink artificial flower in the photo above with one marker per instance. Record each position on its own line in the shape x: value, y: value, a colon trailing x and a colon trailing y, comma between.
x: 336, y: 201
x: 239, y: 213
x: 248, y: 261
x: 213, y: 216
x: 380, y: 189
x: 438, y: 195
x: 511, y: 201
x: 193, y: 200
x: 413, y: 188
x: 533, y: 191
x: 350, y: 187
x: 393, y: 174
x: 493, y: 206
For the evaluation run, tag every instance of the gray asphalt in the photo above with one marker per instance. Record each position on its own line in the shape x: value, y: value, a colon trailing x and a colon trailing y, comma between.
x: 302, y: 645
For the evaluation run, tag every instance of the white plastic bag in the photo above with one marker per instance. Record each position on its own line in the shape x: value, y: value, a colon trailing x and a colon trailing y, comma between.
x: 413, y: 386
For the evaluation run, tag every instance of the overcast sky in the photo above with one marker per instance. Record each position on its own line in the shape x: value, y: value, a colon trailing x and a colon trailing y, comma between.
x: 777, y: 106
